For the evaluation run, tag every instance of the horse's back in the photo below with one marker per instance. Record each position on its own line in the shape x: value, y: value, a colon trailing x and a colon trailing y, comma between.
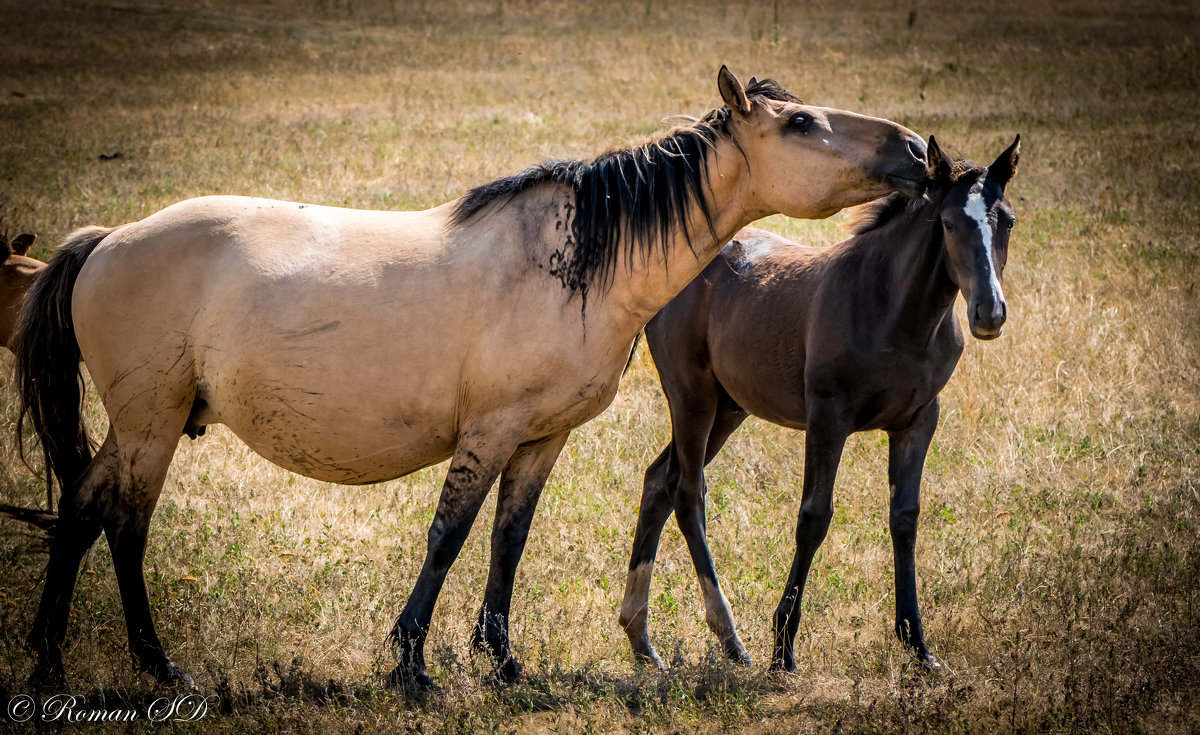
x: 275, y: 317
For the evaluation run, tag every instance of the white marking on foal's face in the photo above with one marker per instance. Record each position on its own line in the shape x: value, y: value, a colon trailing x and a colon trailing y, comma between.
x: 977, y: 210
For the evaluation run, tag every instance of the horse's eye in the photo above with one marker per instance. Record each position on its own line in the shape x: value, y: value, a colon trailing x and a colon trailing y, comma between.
x: 947, y: 224
x: 800, y: 122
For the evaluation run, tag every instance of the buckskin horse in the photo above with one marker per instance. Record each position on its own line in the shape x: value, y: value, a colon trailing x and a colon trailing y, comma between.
x: 834, y: 341
x: 358, y: 346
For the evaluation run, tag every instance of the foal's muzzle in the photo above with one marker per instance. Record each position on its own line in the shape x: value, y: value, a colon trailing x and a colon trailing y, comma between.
x: 987, y: 319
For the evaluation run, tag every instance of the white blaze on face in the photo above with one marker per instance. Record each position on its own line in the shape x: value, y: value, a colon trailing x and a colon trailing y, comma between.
x: 977, y: 210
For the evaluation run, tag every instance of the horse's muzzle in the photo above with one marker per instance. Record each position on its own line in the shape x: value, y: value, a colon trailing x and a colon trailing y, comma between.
x: 987, y: 320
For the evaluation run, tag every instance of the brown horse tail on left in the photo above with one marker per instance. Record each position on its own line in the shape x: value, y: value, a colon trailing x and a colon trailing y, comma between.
x: 49, y: 376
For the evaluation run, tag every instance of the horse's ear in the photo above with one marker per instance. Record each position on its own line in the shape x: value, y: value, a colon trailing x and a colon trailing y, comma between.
x: 938, y: 166
x: 1005, y: 166
x: 21, y: 243
x: 732, y: 92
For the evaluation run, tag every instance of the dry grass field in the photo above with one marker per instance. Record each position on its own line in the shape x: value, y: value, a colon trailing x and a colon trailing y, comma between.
x: 1059, y: 549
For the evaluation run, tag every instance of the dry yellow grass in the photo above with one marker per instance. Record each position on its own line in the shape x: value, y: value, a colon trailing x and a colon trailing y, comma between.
x: 1058, y: 559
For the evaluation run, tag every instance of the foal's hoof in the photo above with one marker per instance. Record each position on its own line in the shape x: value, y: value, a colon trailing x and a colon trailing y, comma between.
x: 736, y: 652
x: 648, y: 658
x: 411, y: 678
x: 929, y: 664
x: 644, y: 653
x: 783, y: 665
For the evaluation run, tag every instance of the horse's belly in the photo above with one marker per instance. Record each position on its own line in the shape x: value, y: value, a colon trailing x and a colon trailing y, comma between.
x: 371, y: 449
x: 350, y: 429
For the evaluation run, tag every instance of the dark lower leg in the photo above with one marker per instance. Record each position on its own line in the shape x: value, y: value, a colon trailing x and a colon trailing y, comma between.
x: 906, y: 459
x: 128, y: 544
x: 823, y: 452
x: 689, y: 513
x: 520, y: 488
x: 467, y: 483
x: 652, y: 515
x: 71, y: 542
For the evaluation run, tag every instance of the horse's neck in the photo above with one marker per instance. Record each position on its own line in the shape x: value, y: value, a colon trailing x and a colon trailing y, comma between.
x: 914, y: 261
x: 641, y: 291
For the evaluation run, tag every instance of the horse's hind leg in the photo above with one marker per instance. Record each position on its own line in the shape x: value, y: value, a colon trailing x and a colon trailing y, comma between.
x: 652, y: 514
x: 138, y: 467
x: 127, y: 540
x: 520, y: 487
x: 658, y: 500
x: 74, y: 535
x: 906, y: 459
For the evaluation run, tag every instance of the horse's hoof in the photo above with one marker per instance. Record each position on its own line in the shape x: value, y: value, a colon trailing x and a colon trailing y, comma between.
x: 648, y: 657
x: 736, y: 653
x: 165, y: 671
x: 929, y: 664
x: 411, y: 679
x: 173, y: 676
x: 49, y: 679
x: 785, y: 665
x: 510, y: 671
x: 504, y: 664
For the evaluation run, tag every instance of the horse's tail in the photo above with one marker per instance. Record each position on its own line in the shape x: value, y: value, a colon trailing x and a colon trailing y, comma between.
x: 48, y: 374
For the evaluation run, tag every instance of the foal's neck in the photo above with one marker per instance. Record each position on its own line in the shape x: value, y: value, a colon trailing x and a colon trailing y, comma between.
x: 914, y: 256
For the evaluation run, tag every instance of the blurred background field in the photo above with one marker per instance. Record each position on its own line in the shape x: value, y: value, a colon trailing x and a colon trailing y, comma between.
x: 1059, y: 550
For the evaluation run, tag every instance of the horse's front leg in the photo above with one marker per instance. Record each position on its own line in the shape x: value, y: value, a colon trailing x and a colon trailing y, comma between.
x: 822, y: 454
x: 477, y: 461
x: 906, y: 459
x: 520, y: 487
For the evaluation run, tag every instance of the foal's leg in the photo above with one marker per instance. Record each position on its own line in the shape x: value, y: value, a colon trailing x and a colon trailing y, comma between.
x: 662, y: 492
x: 822, y: 454
x: 653, y: 513
x: 520, y: 487
x: 477, y: 462
x: 906, y: 459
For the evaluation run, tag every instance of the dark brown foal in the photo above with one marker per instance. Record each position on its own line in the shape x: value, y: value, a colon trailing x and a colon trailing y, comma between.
x: 836, y: 340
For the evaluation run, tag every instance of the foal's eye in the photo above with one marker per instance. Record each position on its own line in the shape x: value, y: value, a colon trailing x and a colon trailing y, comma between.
x: 947, y: 225
x: 800, y: 122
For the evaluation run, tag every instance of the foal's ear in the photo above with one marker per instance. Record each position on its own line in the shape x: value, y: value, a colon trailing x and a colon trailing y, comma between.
x: 938, y: 165
x: 732, y: 92
x: 21, y: 243
x: 1005, y: 166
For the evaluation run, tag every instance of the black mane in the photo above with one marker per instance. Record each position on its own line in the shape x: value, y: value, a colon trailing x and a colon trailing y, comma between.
x: 874, y: 215
x: 627, y: 201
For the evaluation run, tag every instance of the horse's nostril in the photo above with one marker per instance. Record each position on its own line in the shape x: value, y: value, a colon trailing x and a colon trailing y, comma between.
x: 917, y: 151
